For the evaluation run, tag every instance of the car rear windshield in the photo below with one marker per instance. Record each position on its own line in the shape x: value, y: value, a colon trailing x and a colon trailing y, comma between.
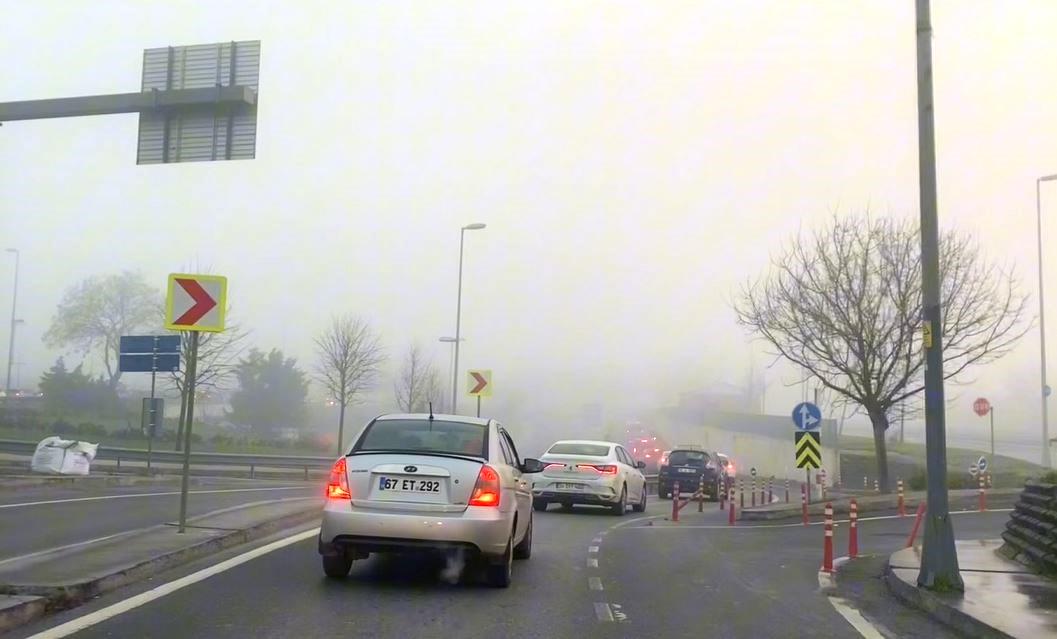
x: 569, y: 448
x: 687, y: 458
x: 425, y: 436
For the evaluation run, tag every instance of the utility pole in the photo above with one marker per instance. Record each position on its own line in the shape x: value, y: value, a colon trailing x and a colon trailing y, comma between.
x: 939, y: 560
x: 11, y: 339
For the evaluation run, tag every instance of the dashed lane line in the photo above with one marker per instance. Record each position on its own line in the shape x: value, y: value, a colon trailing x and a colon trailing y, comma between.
x: 594, y: 583
x: 603, y: 611
x: 592, y: 549
x: 592, y: 562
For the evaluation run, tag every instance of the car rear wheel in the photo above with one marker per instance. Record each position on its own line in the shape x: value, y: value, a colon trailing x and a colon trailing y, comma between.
x: 621, y: 506
x: 539, y: 505
x: 500, y: 574
x: 337, y: 566
x: 641, y: 506
x: 524, y: 549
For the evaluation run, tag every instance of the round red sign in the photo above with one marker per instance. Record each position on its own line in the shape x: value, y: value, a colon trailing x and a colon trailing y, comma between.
x: 982, y: 406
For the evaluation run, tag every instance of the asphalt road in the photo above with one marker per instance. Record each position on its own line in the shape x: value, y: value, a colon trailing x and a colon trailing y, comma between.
x: 591, y: 575
x: 38, y: 519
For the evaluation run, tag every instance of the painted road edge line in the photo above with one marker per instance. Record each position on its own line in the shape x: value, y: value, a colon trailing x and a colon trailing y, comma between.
x: 855, y: 618
x: 113, y: 610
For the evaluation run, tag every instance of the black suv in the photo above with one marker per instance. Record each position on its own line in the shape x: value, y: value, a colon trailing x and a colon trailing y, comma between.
x: 687, y: 466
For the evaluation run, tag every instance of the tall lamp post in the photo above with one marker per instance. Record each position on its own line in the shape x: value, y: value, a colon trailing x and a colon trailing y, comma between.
x: 451, y: 357
x: 1045, y: 390
x: 11, y: 339
x: 458, y: 319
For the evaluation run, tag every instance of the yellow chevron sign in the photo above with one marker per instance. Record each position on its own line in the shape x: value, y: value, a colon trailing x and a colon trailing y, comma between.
x: 808, y: 449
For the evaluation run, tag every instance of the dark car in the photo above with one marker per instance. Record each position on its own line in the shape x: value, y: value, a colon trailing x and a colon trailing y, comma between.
x: 687, y: 466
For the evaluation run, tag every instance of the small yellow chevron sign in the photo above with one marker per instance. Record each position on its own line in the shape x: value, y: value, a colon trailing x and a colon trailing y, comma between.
x: 808, y: 449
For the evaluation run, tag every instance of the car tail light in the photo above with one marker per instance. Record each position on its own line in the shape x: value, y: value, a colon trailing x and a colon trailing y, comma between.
x: 603, y: 469
x: 486, y: 490
x: 338, y: 484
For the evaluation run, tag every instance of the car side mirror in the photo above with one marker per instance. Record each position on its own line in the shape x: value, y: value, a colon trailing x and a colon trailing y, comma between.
x: 640, y: 465
x: 529, y: 465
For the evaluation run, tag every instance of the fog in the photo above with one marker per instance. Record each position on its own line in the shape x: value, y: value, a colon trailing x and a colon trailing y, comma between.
x: 634, y: 163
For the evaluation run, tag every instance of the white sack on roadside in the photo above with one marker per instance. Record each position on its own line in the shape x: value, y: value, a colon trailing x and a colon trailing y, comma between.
x: 63, y: 456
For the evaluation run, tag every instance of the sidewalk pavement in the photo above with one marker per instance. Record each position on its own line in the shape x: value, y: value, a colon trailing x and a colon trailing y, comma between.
x: 1002, y: 598
x: 965, y: 499
x: 34, y: 584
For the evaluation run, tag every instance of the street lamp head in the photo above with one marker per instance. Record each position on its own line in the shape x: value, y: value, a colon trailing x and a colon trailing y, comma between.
x: 1048, y: 178
x: 11, y: 250
x: 476, y: 226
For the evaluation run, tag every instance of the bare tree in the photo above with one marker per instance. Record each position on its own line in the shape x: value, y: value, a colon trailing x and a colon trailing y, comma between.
x: 218, y: 353
x: 845, y: 304
x: 350, y: 353
x: 97, y: 311
x: 419, y: 382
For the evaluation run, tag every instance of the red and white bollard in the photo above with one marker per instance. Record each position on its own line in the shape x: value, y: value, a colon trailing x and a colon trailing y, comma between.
x: 876, y: 486
x: 701, y: 494
x: 865, y: 486
x: 853, y: 533
x: 983, y: 494
x: 741, y: 492
x: 822, y: 483
x: 754, y: 491
x: 827, y: 547
x: 917, y: 524
x: 770, y: 490
x: 902, y: 504
x: 803, y: 502
x: 724, y: 484
x: 787, y: 490
x: 730, y: 515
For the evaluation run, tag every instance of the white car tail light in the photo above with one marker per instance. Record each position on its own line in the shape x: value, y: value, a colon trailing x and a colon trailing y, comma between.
x: 602, y: 469
x: 486, y: 491
x: 338, y: 483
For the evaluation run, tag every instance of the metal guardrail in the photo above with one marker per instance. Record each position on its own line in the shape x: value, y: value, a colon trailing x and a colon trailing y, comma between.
x: 204, y: 458
x: 198, y: 458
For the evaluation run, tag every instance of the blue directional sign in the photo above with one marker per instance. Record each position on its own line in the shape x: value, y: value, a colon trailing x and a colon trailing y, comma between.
x: 148, y: 363
x: 150, y: 344
x: 981, y: 464
x: 807, y: 416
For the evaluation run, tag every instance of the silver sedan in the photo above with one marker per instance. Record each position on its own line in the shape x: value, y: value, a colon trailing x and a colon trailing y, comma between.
x: 435, y: 482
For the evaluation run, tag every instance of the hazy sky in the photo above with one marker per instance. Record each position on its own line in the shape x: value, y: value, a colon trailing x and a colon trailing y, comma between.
x: 634, y: 162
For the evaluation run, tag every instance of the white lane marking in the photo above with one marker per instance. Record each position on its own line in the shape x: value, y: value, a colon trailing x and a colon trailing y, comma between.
x: 855, y: 618
x: 748, y: 526
x: 101, y: 615
x: 618, y: 612
x: 592, y: 563
x: 130, y: 496
x: 602, y: 610
x: 594, y: 583
x: 596, y: 540
x: 592, y: 549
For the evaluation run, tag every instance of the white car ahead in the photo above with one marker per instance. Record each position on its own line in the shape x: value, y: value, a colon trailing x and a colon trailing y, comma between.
x: 590, y: 472
x: 435, y: 482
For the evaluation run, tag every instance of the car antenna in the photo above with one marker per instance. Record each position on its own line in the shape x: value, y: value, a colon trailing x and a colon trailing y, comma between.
x: 431, y: 411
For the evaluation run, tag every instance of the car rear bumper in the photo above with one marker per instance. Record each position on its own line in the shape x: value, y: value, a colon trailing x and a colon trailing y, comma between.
x: 588, y: 492
x: 479, y: 529
x: 578, y: 497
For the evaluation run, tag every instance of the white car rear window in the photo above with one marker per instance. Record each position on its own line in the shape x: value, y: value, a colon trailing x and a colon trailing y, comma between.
x: 569, y: 448
x: 425, y: 436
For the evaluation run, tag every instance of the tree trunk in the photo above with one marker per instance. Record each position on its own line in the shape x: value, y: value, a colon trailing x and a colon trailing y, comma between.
x: 341, y: 429
x: 880, y: 427
x: 183, y: 417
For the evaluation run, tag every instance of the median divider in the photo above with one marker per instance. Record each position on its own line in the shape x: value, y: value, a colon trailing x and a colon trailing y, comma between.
x: 49, y: 581
x: 961, y: 499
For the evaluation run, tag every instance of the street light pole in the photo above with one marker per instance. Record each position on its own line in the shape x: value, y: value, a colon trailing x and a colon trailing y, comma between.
x: 451, y: 357
x: 939, y: 559
x: 458, y: 319
x: 1046, y: 461
x: 11, y: 339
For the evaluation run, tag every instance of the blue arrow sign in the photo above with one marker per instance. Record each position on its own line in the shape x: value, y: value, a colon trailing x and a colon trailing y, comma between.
x: 807, y: 416
x: 150, y: 344
x: 148, y: 363
x: 982, y: 464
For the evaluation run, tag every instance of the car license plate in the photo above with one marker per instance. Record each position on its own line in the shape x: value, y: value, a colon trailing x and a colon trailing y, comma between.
x: 687, y: 470
x: 393, y: 484
x: 569, y: 486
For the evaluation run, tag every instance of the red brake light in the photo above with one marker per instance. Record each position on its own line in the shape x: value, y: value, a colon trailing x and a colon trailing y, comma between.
x: 603, y: 469
x: 486, y: 490
x: 338, y: 484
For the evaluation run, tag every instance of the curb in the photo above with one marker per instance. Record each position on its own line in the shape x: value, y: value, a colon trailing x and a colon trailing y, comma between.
x: 937, y: 608
x: 41, y: 600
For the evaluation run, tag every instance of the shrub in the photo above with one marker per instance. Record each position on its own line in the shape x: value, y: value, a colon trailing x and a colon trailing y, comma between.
x: 1049, y: 478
